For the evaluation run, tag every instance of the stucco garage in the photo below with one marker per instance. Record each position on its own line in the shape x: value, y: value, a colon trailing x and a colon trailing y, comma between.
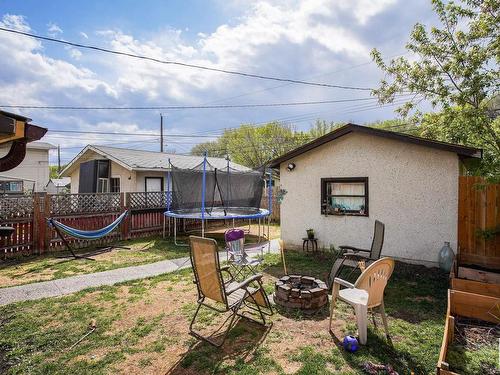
x: 339, y: 184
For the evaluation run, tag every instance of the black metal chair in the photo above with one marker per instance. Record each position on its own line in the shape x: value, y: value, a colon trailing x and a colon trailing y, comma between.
x: 230, y: 295
x: 352, y: 256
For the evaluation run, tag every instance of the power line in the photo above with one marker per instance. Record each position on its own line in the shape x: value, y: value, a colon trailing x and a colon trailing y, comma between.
x: 316, y: 76
x: 292, y: 142
x: 290, y: 117
x: 296, y: 118
x: 179, y: 107
x: 114, y: 144
x: 287, y: 84
x: 196, y: 66
x: 128, y: 134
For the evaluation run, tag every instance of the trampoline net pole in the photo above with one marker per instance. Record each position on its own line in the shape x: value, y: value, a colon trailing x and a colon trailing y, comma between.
x: 203, y: 186
x: 270, y: 208
x: 175, y: 231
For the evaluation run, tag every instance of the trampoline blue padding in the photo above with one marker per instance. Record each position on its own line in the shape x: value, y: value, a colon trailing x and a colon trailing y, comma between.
x: 219, y: 213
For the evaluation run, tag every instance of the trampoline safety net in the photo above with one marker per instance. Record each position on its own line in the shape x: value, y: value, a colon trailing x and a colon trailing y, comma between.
x: 224, y: 188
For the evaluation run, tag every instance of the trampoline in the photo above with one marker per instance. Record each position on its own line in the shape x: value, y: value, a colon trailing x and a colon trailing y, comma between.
x: 220, y: 213
x: 209, y: 193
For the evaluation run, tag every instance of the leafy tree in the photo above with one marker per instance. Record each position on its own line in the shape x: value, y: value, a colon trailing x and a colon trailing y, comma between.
x: 457, y: 71
x: 397, y: 125
x: 321, y: 127
x: 53, y: 171
x: 253, y: 146
x: 212, y: 148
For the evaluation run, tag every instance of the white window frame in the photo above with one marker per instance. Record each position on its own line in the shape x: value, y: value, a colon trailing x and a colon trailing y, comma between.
x: 106, y: 185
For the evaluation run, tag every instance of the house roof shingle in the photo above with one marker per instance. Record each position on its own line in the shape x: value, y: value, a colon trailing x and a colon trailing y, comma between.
x: 151, y: 160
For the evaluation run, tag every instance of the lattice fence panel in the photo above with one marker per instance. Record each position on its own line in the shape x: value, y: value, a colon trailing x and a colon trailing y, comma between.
x: 12, y: 208
x: 70, y: 204
x: 149, y: 200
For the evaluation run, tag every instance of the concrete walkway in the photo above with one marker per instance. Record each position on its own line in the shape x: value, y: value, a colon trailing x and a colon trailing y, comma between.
x: 61, y: 287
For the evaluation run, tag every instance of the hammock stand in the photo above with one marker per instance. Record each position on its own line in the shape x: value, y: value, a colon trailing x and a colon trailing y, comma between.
x: 61, y: 228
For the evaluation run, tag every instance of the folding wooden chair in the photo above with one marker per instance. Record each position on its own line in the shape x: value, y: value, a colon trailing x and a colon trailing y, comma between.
x: 232, y: 295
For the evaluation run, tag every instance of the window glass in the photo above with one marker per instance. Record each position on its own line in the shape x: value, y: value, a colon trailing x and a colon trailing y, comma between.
x: 11, y: 187
x: 348, y: 203
x: 342, y: 196
x: 102, y: 185
x: 103, y: 168
x: 16, y: 186
x: 346, y: 188
x: 115, y: 184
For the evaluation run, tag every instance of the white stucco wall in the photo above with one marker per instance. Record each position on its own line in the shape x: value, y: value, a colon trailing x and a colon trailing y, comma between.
x: 412, y: 189
x: 34, y: 167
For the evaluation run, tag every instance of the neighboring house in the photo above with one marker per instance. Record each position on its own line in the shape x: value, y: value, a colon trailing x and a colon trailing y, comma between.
x: 58, y: 185
x: 15, y: 133
x: 340, y: 183
x: 112, y: 169
x: 32, y: 174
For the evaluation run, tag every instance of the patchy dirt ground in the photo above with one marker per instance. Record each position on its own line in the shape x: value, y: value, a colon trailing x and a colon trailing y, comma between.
x: 142, y: 328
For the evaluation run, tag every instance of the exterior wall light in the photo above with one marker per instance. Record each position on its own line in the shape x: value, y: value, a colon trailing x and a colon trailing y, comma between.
x: 290, y: 167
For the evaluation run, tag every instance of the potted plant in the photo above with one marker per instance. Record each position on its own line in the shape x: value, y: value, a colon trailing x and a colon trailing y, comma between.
x: 310, y: 233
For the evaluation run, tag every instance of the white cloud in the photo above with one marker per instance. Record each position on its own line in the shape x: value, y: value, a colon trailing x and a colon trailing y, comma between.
x: 16, y: 22
x: 247, y: 45
x: 296, y: 39
x: 53, y: 30
x: 37, y: 72
x: 74, y: 52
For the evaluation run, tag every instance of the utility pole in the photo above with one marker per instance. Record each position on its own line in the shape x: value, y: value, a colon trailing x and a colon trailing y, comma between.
x: 161, y: 132
x: 58, y: 158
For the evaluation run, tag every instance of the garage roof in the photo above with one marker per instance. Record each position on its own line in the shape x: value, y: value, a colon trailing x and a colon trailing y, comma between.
x: 462, y: 151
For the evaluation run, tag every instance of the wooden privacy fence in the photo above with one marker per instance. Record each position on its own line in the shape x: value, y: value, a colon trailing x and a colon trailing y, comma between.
x: 275, y: 213
x: 33, y: 235
x: 479, y: 222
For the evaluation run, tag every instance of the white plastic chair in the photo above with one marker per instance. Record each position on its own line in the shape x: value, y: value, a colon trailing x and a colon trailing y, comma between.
x: 366, y: 293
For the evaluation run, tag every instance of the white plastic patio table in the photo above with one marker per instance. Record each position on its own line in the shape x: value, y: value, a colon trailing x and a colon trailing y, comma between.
x: 357, y: 298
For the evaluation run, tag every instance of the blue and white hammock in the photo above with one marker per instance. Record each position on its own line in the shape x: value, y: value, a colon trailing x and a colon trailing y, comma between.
x: 86, y: 234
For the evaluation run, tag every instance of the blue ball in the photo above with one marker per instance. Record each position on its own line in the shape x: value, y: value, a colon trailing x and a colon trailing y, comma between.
x: 351, y: 344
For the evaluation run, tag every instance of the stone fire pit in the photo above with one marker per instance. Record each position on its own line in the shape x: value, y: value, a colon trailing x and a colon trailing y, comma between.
x: 301, y: 292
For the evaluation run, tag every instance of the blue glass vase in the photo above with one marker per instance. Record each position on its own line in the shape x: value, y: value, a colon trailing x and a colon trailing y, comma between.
x: 446, y: 257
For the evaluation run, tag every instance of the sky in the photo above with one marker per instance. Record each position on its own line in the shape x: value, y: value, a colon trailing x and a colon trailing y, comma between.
x: 315, y: 40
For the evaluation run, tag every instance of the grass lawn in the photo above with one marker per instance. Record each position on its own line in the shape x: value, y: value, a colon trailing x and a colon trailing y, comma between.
x: 142, y: 328
x: 47, y: 267
x: 25, y: 270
